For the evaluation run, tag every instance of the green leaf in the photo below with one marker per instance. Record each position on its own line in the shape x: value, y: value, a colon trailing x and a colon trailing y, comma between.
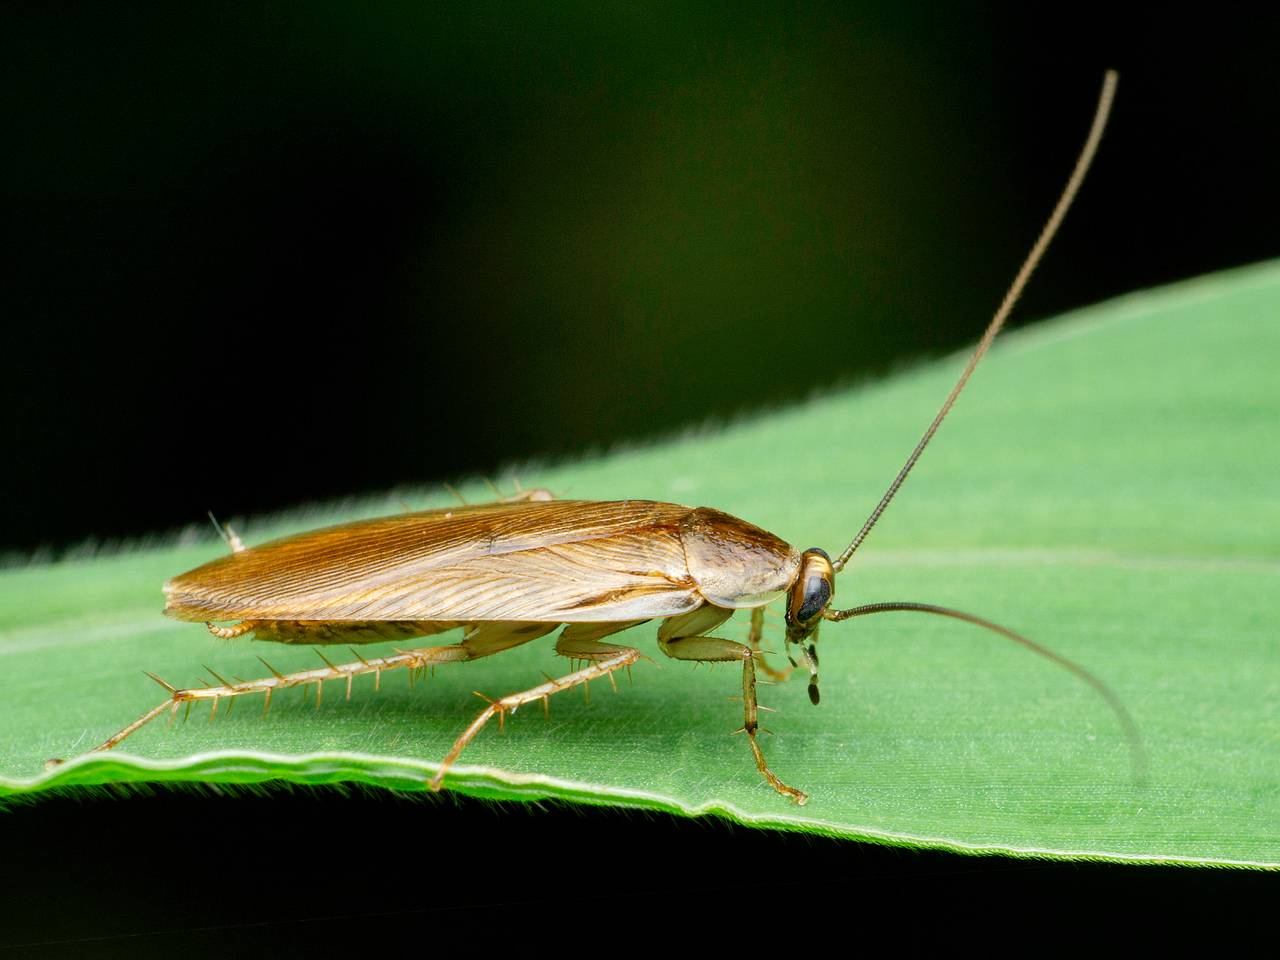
x: 1107, y: 485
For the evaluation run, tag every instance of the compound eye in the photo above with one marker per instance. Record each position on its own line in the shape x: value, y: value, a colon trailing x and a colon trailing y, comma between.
x: 817, y: 594
x: 815, y: 588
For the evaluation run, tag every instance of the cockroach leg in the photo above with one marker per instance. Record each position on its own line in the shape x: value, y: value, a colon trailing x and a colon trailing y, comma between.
x: 483, y: 641
x: 578, y: 636
x: 231, y: 632
x: 755, y: 637
x: 281, y: 681
x: 584, y: 644
x: 602, y: 666
x: 701, y: 649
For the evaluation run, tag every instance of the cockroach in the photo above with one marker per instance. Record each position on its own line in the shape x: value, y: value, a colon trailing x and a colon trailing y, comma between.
x: 509, y: 572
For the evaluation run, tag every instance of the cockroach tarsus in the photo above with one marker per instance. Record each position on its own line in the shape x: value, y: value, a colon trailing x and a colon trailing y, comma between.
x: 514, y: 570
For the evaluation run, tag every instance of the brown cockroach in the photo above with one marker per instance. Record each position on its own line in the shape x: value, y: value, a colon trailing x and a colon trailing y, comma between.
x: 511, y: 571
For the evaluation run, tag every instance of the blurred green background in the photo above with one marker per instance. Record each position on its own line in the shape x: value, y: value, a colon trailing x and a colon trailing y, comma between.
x: 262, y: 253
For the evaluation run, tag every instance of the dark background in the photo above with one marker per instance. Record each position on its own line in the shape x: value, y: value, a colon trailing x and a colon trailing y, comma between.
x: 259, y: 254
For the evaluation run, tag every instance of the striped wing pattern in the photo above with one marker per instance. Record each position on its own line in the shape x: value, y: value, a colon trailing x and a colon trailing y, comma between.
x: 564, y: 560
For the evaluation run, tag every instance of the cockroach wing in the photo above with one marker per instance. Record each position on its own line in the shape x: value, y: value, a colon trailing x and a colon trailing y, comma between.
x: 562, y: 560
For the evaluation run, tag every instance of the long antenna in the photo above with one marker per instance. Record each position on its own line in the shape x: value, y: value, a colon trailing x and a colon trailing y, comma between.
x: 1006, y: 306
x: 1137, y: 756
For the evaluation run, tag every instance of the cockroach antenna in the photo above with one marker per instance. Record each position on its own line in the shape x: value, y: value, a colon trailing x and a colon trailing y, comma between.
x: 1006, y: 306
x: 1137, y: 756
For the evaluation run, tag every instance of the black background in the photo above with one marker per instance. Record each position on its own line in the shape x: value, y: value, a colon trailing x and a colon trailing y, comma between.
x: 259, y: 254
x: 356, y: 874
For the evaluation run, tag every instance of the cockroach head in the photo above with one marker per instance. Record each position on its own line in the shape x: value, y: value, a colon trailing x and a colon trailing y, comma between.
x: 810, y: 596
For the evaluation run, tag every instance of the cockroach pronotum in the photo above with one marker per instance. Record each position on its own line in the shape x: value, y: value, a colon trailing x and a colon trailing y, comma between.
x: 514, y: 570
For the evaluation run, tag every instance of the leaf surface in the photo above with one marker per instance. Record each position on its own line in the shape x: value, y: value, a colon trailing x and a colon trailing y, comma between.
x: 1108, y: 485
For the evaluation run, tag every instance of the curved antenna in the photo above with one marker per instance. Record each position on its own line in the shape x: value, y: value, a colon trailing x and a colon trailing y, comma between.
x: 1137, y: 757
x: 1002, y: 314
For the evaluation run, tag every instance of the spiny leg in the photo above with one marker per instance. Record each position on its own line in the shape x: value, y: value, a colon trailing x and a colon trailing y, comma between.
x: 577, y: 641
x: 701, y: 649
x: 754, y: 638
x: 482, y: 640
x: 605, y: 658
